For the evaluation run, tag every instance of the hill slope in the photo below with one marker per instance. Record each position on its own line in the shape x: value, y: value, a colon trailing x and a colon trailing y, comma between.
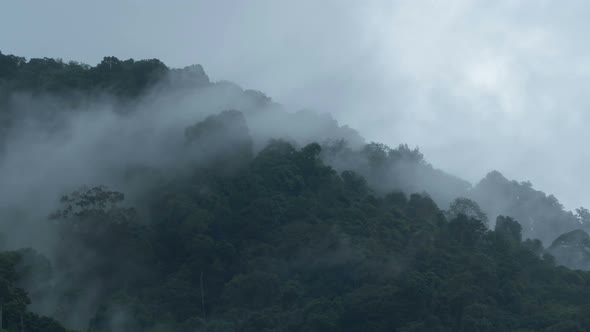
x: 210, y: 208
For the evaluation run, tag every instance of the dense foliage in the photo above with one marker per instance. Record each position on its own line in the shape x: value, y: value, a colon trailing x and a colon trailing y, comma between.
x: 293, y: 237
x: 287, y: 244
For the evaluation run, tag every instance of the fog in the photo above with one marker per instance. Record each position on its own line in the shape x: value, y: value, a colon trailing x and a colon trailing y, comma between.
x: 55, y: 146
x: 477, y: 85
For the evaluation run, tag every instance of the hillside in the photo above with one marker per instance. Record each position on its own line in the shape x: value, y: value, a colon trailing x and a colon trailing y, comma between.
x: 192, y: 205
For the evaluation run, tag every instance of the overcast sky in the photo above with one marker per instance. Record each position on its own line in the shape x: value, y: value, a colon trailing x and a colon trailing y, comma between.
x: 478, y: 85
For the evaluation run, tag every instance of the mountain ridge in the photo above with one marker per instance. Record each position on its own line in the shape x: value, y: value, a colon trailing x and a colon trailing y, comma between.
x: 220, y: 211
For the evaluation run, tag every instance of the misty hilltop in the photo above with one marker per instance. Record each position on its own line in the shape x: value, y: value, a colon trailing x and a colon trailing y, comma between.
x: 137, y: 197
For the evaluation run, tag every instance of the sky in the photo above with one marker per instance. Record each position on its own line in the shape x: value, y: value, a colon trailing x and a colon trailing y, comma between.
x: 477, y: 85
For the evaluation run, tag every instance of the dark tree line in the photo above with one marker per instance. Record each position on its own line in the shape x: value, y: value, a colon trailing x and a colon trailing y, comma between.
x: 288, y: 244
x: 286, y: 239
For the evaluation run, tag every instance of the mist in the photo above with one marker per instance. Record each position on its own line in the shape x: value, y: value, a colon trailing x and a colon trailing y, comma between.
x: 56, y: 145
x: 182, y: 124
x: 506, y: 79
x: 454, y: 91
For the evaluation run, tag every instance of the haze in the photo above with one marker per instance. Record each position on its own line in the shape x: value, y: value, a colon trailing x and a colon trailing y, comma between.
x: 478, y: 85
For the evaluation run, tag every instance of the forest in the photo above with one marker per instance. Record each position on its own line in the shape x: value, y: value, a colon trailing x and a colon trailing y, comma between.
x: 137, y: 197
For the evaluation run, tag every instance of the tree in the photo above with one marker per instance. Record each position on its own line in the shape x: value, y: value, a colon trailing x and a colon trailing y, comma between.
x: 467, y: 230
x: 284, y: 242
x: 583, y: 216
x: 467, y: 207
x: 404, y: 153
x: 100, y: 247
x: 508, y: 227
x: 89, y: 216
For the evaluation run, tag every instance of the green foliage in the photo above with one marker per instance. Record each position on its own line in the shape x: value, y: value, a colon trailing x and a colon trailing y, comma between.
x: 280, y: 241
x: 508, y: 227
x: 221, y: 142
x: 287, y: 244
x: 15, y: 300
x: 465, y: 206
x: 400, y: 169
x: 124, y: 78
x: 541, y: 216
